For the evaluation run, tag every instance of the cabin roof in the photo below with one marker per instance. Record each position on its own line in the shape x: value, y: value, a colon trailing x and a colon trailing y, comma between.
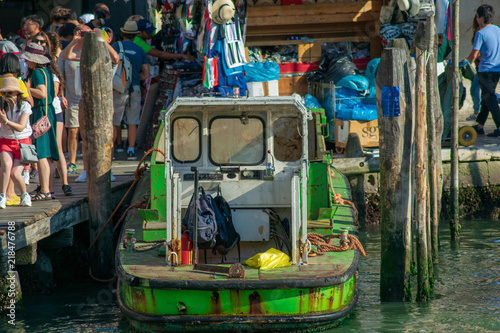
x: 247, y: 104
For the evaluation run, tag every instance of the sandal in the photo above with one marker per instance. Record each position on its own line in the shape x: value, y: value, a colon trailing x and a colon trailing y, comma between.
x: 42, y: 196
x: 36, y: 191
x: 52, y: 196
x: 67, y: 190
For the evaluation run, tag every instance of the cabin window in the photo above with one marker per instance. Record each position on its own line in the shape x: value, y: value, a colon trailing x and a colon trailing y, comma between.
x: 287, y: 139
x: 235, y: 140
x: 186, y: 139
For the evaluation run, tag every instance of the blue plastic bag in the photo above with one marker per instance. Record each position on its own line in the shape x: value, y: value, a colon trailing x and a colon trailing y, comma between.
x: 371, y: 71
x: 311, y: 102
x: 355, y: 82
x: 261, y: 72
x: 350, y: 105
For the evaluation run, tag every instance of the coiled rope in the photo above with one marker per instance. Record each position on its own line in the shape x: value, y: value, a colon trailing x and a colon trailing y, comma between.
x: 324, y: 243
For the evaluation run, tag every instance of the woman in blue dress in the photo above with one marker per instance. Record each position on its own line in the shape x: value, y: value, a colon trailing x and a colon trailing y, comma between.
x: 42, y: 89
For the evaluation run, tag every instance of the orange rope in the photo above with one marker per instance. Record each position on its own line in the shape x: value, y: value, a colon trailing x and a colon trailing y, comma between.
x: 139, y: 172
x: 337, y: 199
x: 324, y: 243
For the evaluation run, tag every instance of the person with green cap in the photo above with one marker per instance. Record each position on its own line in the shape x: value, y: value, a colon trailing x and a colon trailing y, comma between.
x: 146, y: 30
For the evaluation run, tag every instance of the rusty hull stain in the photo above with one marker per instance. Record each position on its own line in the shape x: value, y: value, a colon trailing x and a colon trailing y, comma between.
x: 254, y: 301
x: 215, y: 302
x: 139, y: 299
x: 331, y: 299
x: 312, y: 302
x: 301, y: 299
x: 234, y: 295
x: 153, y: 300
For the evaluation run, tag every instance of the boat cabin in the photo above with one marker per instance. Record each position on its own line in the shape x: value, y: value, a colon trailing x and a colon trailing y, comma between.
x: 254, y: 151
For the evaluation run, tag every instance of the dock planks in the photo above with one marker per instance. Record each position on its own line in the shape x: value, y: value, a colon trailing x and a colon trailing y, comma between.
x: 48, y: 217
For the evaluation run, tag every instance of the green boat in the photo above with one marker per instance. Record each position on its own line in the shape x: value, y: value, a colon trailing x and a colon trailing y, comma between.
x: 268, y: 157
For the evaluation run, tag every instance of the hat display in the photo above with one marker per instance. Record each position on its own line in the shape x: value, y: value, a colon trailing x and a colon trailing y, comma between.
x: 222, y: 11
x: 145, y: 25
x: 35, y: 53
x: 130, y: 27
x: 10, y: 84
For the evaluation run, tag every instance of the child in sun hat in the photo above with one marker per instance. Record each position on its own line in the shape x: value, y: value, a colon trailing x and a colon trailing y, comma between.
x: 15, y: 128
x: 10, y: 66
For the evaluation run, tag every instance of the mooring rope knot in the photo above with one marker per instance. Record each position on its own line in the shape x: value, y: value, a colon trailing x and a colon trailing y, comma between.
x: 324, y: 243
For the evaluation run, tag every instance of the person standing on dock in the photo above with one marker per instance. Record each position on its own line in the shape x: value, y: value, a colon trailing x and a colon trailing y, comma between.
x: 487, y: 44
x: 129, y: 102
x: 15, y: 128
x: 42, y: 89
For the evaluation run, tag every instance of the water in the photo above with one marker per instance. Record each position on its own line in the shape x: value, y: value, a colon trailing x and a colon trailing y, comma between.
x: 466, y: 296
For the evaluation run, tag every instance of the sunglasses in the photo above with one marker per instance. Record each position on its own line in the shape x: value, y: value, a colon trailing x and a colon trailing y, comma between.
x: 39, y: 41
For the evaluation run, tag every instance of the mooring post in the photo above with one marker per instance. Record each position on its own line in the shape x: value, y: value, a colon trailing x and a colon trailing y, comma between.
x: 454, y: 221
x: 433, y: 109
x: 97, y: 93
x: 354, y: 149
x: 421, y: 163
x: 394, y: 104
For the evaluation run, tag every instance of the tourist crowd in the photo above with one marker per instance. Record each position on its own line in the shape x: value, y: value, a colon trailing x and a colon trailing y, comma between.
x: 41, y: 97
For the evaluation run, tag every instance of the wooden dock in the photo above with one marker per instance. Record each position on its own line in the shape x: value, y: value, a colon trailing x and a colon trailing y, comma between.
x: 46, y: 218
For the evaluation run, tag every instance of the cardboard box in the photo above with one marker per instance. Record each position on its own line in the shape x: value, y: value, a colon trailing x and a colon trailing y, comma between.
x: 292, y: 83
x: 309, y: 52
x: 269, y: 88
x: 366, y: 130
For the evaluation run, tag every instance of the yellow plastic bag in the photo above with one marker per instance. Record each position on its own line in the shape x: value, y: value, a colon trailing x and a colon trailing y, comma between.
x: 272, y: 258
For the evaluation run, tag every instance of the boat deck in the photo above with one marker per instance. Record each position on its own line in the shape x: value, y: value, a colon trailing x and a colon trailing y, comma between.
x: 149, y: 265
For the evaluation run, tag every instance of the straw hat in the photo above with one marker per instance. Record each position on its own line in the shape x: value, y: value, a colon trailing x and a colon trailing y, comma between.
x: 222, y: 11
x: 10, y: 84
x: 130, y: 27
x: 35, y: 53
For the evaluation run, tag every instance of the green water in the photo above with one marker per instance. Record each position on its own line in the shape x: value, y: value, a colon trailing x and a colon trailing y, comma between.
x: 466, y: 296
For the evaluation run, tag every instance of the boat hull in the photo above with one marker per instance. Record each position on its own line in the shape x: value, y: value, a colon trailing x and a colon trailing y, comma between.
x: 285, y: 309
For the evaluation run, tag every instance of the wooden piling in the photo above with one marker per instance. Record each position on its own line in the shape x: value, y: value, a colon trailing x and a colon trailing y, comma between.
x: 421, y: 179
x: 355, y: 149
x: 454, y: 221
x: 434, y: 135
x: 395, y: 176
x: 97, y: 97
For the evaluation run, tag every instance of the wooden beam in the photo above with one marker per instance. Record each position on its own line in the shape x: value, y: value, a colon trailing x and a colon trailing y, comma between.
x: 27, y: 255
x: 356, y: 28
x: 314, y: 14
x: 275, y: 40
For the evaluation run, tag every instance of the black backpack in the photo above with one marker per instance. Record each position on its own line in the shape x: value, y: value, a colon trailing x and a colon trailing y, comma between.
x: 207, y: 219
x: 227, y: 237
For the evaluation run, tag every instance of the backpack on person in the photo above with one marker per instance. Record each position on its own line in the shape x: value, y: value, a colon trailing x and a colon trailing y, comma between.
x: 122, y: 79
x: 207, y: 220
x: 227, y: 237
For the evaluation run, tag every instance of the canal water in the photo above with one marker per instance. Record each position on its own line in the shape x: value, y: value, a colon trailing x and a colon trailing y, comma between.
x: 466, y: 296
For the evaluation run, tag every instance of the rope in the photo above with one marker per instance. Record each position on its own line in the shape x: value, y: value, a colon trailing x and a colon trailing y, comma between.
x: 99, y: 280
x: 148, y: 246
x: 139, y: 172
x: 324, y: 243
x: 337, y: 199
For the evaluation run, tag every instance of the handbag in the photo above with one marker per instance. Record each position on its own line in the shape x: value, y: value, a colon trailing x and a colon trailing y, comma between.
x: 42, y: 125
x: 28, y: 151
